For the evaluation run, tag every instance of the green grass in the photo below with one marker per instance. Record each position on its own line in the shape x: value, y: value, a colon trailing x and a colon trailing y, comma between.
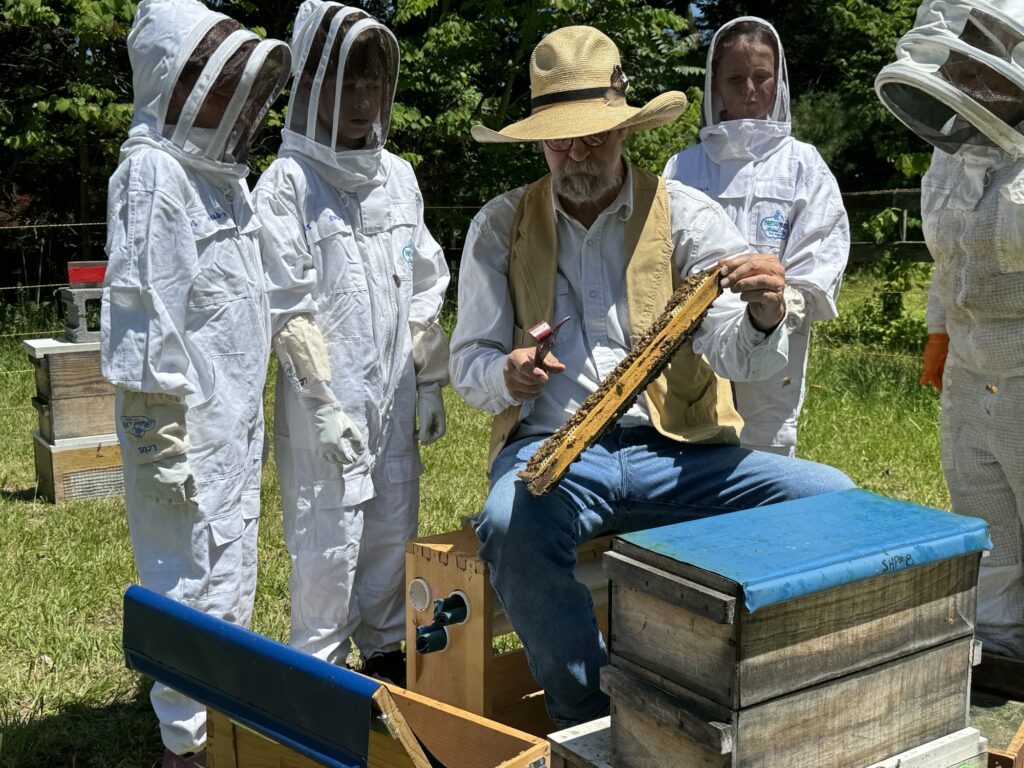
x: 65, y: 697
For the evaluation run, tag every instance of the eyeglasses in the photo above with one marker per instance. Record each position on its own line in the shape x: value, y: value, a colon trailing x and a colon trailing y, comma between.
x: 563, y: 145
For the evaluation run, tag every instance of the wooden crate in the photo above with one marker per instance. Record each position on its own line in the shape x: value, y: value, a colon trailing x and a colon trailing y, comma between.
x: 851, y: 722
x: 80, y: 468
x: 588, y: 745
x: 72, y: 397
x: 469, y: 674
x: 753, y: 605
x: 76, y: 451
x: 832, y: 630
x: 709, y: 642
x: 456, y: 739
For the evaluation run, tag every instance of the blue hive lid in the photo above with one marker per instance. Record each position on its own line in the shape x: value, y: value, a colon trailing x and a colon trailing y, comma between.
x: 782, y: 551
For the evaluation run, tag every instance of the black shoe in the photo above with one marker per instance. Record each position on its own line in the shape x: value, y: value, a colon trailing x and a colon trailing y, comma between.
x: 389, y: 667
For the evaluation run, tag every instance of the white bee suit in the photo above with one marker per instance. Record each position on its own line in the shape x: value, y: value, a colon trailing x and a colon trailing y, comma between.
x: 344, y: 241
x: 958, y: 82
x: 185, y: 318
x: 783, y: 198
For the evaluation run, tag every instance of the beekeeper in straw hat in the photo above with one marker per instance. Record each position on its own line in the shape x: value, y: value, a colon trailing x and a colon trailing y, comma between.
x: 604, y: 243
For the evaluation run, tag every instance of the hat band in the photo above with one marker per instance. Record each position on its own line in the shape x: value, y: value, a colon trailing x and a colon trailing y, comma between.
x: 580, y: 94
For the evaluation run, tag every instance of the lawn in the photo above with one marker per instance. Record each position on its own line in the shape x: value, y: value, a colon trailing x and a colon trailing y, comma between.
x: 65, y: 697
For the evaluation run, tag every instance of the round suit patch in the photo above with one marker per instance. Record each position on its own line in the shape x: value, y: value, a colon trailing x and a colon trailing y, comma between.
x: 775, y: 227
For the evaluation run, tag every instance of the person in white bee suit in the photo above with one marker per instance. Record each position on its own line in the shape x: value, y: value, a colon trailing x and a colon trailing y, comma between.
x: 357, y: 285
x: 185, y: 318
x: 958, y: 82
x: 783, y: 198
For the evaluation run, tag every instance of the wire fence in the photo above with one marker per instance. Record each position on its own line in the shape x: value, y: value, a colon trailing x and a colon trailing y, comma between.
x: 72, y: 239
x: 35, y: 253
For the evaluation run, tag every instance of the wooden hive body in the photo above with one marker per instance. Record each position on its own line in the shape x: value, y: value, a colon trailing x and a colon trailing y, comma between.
x: 76, y: 450
x: 852, y: 651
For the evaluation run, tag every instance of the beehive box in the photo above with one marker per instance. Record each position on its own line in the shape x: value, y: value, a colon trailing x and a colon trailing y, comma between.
x: 833, y: 630
x: 72, y: 397
x: 76, y: 450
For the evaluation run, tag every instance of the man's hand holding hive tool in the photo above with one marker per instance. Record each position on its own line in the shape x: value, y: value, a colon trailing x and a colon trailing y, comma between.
x: 760, y: 280
x: 526, y: 369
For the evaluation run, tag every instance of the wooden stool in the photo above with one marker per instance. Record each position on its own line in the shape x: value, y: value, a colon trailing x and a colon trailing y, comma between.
x: 468, y: 673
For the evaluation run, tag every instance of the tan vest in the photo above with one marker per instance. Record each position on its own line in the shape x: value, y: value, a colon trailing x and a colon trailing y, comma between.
x: 683, y: 402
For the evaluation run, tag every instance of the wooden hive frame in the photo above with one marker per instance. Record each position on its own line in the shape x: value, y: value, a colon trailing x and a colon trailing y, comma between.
x: 601, y: 410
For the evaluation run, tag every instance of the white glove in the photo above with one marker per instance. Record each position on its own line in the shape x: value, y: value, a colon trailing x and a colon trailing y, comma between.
x: 337, y: 438
x: 167, y: 481
x: 155, y: 441
x: 430, y: 413
x: 796, y: 308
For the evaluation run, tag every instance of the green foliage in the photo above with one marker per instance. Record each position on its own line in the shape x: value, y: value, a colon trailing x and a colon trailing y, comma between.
x: 650, y: 149
x: 468, y: 62
x: 884, y: 320
x: 65, y: 107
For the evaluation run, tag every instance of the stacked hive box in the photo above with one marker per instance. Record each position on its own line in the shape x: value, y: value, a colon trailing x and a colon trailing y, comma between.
x: 836, y: 630
x: 76, y: 450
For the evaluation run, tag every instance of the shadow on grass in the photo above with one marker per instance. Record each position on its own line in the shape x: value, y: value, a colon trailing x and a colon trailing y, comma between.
x: 119, y: 735
x: 20, y: 494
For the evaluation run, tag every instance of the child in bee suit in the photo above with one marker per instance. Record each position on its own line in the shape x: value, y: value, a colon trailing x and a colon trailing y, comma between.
x: 781, y: 195
x: 357, y: 286
x: 958, y: 83
x: 185, y: 319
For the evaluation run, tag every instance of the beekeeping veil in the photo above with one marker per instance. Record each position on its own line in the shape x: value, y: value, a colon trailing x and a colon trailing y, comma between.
x: 958, y: 79
x: 202, y: 84
x: 748, y: 28
x: 748, y: 139
x: 346, y: 71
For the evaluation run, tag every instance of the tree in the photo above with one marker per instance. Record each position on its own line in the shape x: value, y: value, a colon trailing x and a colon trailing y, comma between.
x: 64, y: 108
x: 468, y: 62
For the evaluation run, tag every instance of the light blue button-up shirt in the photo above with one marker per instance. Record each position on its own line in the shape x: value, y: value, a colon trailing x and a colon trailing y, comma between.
x: 590, y: 288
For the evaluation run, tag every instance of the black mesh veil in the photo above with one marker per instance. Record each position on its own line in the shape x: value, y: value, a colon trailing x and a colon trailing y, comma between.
x: 959, y: 79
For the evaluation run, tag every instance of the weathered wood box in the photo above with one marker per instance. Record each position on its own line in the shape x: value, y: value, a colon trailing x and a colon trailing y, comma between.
x: 834, y: 630
x: 76, y: 450
x: 470, y: 673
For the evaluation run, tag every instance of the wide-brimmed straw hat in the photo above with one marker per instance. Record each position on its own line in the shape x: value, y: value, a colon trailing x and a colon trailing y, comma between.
x: 577, y: 87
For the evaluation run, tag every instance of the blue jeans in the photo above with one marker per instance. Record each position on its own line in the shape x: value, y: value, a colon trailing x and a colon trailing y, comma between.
x: 631, y: 480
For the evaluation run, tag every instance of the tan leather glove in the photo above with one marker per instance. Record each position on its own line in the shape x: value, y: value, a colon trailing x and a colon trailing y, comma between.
x: 429, y: 354
x: 156, y: 441
x: 430, y: 413
x: 303, y: 354
x: 935, y: 352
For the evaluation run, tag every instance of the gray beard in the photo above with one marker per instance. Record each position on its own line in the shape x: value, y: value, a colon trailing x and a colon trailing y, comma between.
x: 586, y: 181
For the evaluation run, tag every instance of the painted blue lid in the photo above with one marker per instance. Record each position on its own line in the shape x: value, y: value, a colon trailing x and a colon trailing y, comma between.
x: 783, y: 551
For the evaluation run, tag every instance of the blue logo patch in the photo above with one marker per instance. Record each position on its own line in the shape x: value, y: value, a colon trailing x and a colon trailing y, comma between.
x: 775, y: 227
x: 137, y: 426
x: 407, y: 253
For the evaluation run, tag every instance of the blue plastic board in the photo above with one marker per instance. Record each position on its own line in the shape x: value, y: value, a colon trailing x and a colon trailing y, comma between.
x: 317, y: 709
x: 783, y: 551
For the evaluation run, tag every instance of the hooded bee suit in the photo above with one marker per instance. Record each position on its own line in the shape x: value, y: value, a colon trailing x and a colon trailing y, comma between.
x: 783, y: 198
x: 958, y: 82
x: 185, y: 318
x: 357, y: 286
